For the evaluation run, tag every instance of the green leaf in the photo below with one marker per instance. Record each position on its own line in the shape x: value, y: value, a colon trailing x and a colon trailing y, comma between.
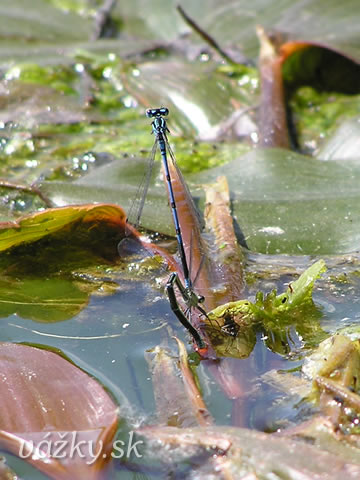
x: 321, y: 22
x: 274, y: 313
x: 33, y: 227
x: 344, y: 142
x: 290, y: 203
x: 41, y: 22
x: 300, y: 291
x: 28, y: 105
x: 42, y: 300
x: 297, y: 295
x: 117, y: 182
x: 191, y: 111
x: 284, y: 202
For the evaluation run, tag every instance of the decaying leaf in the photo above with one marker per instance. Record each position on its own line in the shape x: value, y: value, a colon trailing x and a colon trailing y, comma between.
x: 178, y: 399
x: 335, y: 368
x: 240, y: 453
x: 228, y: 255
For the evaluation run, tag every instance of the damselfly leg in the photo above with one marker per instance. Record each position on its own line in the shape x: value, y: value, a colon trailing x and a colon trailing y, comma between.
x: 191, y: 299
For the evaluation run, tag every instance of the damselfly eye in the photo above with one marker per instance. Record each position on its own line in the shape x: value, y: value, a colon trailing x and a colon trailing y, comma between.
x: 157, y: 112
x: 201, y: 299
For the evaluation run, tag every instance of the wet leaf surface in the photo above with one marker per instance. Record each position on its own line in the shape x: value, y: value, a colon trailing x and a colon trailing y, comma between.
x: 32, y: 105
x: 273, y: 188
x: 85, y: 217
x: 176, y: 84
x: 41, y: 23
x: 234, y: 23
x: 63, y: 399
x: 237, y: 451
x: 270, y: 218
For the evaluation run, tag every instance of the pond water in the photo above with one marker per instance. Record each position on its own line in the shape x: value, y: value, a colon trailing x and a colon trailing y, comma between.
x: 109, y: 338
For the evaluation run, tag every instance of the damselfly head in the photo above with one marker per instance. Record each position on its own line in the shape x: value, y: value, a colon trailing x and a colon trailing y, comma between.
x: 157, y: 112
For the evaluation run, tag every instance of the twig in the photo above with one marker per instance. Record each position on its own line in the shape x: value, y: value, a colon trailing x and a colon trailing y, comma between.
x: 102, y: 17
x: 204, y: 35
x: 28, y: 189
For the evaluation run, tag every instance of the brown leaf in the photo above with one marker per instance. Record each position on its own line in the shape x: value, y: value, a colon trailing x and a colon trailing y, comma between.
x: 46, y: 400
x: 237, y: 452
x: 228, y: 253
x: 192, y: 390
x: 174, y: 404
x: 272, y: 118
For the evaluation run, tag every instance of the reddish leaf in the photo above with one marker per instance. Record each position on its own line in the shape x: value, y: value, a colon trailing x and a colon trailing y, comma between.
x: 46, y: 398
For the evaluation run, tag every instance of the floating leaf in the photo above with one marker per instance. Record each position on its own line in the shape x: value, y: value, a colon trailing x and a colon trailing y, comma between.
x: 31, y: 105
x: 176, y: 84
x: 344, y: 143
x: 54, y: 401
x: 284, y: 202
x: 86, y: 217
x: 44, y: 23
x: 117, y: 182
x: 321, y: 22
x: 290, y: 203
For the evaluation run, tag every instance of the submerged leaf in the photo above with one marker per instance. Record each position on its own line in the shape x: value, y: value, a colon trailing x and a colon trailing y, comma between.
x: 246, y: 454
x: 192, y: 388
x: 178, y: 401
x: 42, y: 300
x: 334, y: 367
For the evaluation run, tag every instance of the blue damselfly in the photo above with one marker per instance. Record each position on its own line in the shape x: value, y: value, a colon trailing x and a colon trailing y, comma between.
x: 190, y: 297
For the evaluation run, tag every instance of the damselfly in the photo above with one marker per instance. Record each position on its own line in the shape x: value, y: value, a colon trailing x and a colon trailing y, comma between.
x: 191, y: 299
